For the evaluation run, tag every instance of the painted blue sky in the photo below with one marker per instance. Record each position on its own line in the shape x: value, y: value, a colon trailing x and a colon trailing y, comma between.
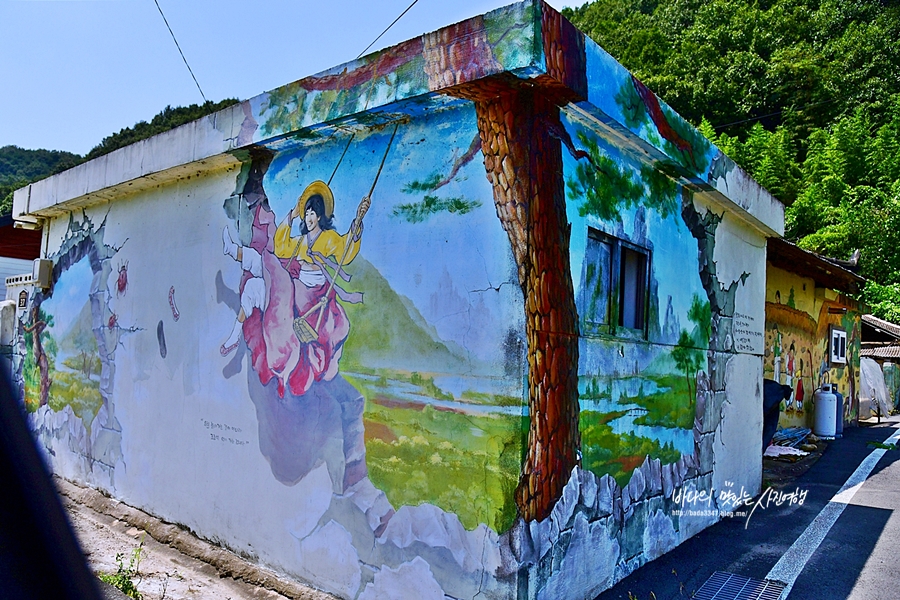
x: 70, y: 293
x: 471, y: 249
x: 79, y: 70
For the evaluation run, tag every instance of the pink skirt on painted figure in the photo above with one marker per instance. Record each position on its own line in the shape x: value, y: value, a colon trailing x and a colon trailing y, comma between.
x: 275, y: 350
x: 798, y: 395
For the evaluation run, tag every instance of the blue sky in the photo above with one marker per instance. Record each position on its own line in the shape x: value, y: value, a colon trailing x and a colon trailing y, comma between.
x: 75, y: 71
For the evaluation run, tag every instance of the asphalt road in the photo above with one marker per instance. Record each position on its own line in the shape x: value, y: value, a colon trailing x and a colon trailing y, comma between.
x: 859, y: 556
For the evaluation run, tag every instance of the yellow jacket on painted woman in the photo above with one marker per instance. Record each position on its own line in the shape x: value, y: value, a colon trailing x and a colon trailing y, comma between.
x: 329, y: 243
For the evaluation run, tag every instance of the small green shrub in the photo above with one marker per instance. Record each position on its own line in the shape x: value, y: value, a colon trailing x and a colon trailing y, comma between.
x: 123, y: 578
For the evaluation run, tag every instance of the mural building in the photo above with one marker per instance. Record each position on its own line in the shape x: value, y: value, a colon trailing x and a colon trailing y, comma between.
x: 813, y: 331
x: 475, y: 315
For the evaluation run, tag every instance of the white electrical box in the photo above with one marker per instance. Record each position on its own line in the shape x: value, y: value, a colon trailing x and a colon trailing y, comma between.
x: 42, y: 273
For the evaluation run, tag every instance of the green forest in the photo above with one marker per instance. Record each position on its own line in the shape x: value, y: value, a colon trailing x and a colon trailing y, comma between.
x: 803, y: 94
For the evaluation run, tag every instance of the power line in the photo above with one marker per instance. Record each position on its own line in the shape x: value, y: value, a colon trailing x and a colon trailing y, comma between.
x: 773, y: 114
x: 388, y: 27
x: 191, y: 71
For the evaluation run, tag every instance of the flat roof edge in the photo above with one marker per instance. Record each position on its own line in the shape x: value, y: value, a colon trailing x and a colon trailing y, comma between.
x: 505, y: 40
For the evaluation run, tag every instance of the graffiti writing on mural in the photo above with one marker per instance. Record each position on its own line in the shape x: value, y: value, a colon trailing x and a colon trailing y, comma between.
x: 745, y: 334
x: 229, y: 440
x: 221, y: 426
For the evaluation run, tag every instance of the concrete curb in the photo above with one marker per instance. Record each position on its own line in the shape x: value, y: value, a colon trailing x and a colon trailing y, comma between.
x: 226, y: 563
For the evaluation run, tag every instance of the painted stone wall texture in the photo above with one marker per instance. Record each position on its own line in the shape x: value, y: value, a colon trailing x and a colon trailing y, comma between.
x: 495, y: 342
x: 799, y: 319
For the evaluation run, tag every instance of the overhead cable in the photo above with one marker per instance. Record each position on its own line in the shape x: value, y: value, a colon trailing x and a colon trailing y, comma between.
x: 191, y: 71
x: 388, y: 27
x: 791, y: 109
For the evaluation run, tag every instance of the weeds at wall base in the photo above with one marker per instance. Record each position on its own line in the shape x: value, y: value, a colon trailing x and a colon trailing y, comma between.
x: 123, y: 578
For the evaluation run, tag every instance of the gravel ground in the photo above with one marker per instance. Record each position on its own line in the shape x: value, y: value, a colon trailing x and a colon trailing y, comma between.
x: 165, y: 573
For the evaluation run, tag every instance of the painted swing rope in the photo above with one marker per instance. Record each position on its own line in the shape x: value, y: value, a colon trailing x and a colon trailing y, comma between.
x: 328, y: 183
x: 302, y: 329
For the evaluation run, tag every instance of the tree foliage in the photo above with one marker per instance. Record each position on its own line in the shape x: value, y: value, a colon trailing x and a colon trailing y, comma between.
x: 605, y: 188
x: 803, y: 94
x: 18, y: 167
x: 688, y: 359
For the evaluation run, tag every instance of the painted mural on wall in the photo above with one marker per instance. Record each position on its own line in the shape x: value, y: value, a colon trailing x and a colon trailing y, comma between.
x: 799, y: 321
x: 484, y: 342
x: 401, y: 356
x: 638, y: 374
x: 70, y: 334
x: 654, y: 345
x: 417, y: 433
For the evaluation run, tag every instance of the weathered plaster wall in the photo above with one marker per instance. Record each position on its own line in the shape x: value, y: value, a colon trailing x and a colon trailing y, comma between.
x: 194, y: 359
x: 798, y: 316
x: 345, y: 482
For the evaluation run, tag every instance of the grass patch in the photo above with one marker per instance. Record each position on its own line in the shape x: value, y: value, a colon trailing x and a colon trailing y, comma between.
x: 123, y: 578
x: 882, y: 445
x: 428, y: 387
x: 490, y: 399
x: 75, y: 390
x: 674, y: 407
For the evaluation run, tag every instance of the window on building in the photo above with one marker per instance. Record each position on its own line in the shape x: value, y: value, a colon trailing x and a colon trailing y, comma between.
x: 613, y: 296
x: 838, y: 345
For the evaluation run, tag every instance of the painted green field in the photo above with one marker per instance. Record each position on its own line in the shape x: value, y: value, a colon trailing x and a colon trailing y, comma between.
x: 653, y: 400
x: 672, y: 406
x: 463, y: 462
x: 74, y: 389
x: 606, y: 452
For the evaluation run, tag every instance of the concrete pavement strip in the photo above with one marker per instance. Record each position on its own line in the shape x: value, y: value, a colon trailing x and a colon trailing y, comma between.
x: 198, y: 559
x: 792, y: 563
x: 751, y: 548
x: 730, y: 545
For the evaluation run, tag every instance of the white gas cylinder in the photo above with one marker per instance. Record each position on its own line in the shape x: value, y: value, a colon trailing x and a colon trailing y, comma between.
x: 825, y: 423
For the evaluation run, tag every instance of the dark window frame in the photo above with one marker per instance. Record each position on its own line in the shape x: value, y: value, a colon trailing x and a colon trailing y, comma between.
x: 614, y: 324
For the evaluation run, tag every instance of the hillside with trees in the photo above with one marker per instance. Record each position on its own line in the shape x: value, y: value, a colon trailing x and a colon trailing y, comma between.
x: 19, y: 167
x: 803, y: 94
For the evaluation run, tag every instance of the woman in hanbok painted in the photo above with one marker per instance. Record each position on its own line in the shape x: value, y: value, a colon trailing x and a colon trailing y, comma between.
x: 293, y: 326
x: 789, y: 377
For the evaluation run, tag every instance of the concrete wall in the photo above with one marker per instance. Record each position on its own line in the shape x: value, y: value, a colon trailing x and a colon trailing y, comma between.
x: 180, y: 361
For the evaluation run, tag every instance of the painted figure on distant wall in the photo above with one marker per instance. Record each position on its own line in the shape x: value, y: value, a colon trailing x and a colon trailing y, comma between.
x: 799, y: 393
x: 293, y: 325
x: 789, y: 376
x: 776, y: 353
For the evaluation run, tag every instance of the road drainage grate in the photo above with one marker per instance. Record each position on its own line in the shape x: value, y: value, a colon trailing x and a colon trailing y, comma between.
x: 728, y: 586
